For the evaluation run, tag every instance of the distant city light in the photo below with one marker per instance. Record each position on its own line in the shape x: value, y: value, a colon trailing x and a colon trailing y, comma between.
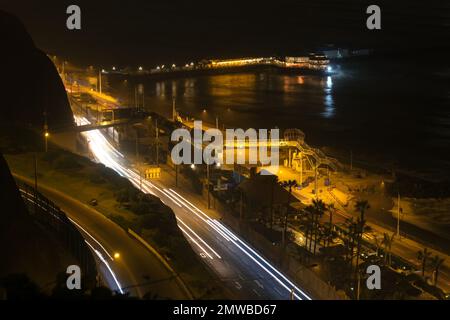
x: 329, y: 68
x: 173, y: 65
x: 192, y: 166
x: 140, y: 69
x: 114, y: 68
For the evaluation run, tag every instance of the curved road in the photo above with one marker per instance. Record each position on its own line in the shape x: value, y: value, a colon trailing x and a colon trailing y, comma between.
x: 136, y: 270
x: 246, y: 273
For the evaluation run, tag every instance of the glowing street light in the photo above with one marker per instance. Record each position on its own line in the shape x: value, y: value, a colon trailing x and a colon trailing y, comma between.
x: 114, y: 68
x: 140, y: 69
x: 193, y: 166
x: 116, y: 255
x: 46, y: 135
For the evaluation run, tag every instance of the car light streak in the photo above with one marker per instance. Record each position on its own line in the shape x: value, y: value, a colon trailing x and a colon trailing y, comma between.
x: 107, y: 266
x: 90, y: 236
x: 199, y: 238
x: 104, y: 152
x: 194, y: 241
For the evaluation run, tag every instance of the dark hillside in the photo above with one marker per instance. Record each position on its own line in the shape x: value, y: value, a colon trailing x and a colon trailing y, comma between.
x: 30, y: 83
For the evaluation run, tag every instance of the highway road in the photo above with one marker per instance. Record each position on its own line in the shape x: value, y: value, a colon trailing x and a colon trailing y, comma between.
x: 136, y: 270
x: 242, y: 269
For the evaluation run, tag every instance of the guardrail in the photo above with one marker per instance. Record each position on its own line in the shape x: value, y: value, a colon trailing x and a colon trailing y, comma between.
x: 54, y: 220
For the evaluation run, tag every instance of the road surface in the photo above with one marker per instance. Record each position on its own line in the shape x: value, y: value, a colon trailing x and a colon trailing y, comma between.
x: 242, y: 270
x: 136, y: 270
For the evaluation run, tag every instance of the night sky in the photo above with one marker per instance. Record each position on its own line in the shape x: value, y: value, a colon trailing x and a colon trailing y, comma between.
x: 148, y: 32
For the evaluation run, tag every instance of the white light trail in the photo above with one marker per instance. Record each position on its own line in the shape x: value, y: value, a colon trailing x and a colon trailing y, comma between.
x: 95, y: 240
x: 107, y: 266
x: 193, y: 240
x: 104, y: 151
x: 199, y: 238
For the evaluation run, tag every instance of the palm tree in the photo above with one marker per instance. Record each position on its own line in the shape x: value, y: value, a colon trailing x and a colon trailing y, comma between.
x: 319, y: 208
x: 309, y: 222
x: 378, y: 243
x: 287, y: 184
x: 387, y: 242
x: 361, y: 206
x: 274, y: 182
x: 350, y: 224
x: 423, y: 256
x: 331, y: 209
x: 436, y: 263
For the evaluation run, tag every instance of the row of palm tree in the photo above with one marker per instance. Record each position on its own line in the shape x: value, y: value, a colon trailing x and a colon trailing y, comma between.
x: 315, y: 231
x: 435, y: 262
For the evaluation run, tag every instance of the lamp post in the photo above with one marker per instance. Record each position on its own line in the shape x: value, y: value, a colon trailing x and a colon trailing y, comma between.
x: 207, y: 184
x: 398, y: 215
x: 46, y: 135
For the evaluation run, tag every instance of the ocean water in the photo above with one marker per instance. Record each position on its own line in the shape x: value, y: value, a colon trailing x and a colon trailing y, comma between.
x: 391, y: 112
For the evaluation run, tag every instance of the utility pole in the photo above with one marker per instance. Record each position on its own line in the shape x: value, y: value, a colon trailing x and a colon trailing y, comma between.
x: 157, y: 141
x: 137, y: 145
x: 100, y: 81
x: 174, y: 113
x: 398, y: 215
x: 63, y: 71
x: 46, y: 134
x: 143, y: 98
x: 315, y: 180
x: 358, y: 288
x: 301, y: 168
x: 35, y: 182
x: 135, y: 98
x: 207, y: 184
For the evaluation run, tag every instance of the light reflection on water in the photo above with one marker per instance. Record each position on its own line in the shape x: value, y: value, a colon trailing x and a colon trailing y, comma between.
x: 373, y: 110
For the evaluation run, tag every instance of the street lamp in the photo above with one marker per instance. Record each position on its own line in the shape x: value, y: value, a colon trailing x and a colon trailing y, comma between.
x: 46, y: 135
